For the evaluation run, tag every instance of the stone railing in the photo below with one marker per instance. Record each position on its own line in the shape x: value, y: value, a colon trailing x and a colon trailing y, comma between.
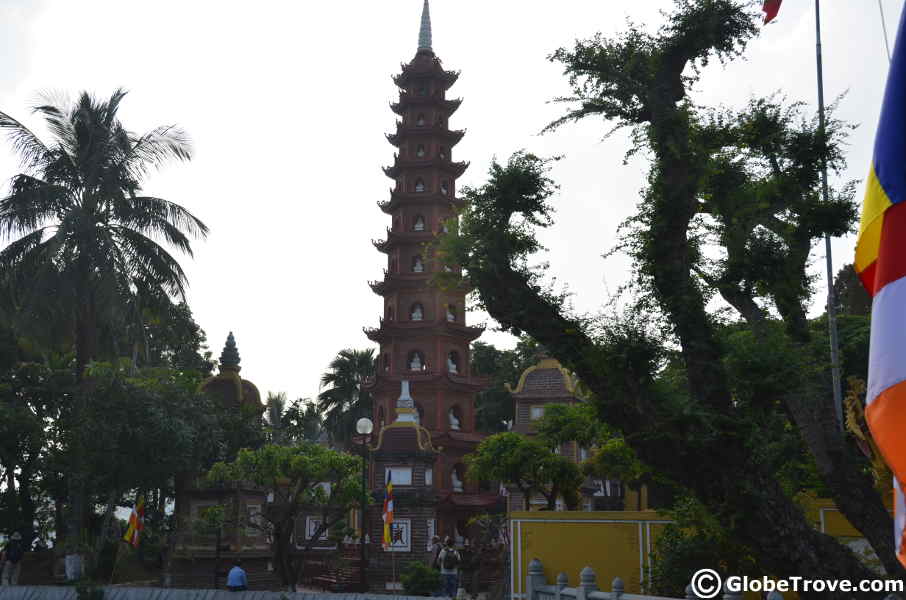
x: 537, y: 588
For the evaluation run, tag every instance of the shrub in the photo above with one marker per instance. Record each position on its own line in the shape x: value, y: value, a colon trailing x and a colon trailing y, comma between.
x: 420, y: 580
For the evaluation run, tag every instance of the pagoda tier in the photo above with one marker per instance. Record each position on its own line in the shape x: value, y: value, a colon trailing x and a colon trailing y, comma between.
x: 423, y: 67
x: 407, y: 100
x: 399, y: 198
x: 450, y: 137
x: 454, y: 169
x: 388, y: 331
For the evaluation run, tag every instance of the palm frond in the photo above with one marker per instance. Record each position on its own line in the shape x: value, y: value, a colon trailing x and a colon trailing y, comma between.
x: 31, y: 150
x: 140, y: 212
x: 150, y: 262
x: 156, y: 147
x: 30, y: 205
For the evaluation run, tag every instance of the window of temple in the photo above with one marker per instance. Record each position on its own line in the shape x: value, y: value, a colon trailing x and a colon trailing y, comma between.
x: 583, y: 454
x: 389, y: 312
x: 386, y: 363
x: 398, y: 475
x: 417, y: 362
x: 396, y: 223
x: 444, y: 188
x: 429, y: 476
x: 417, y: 312
x: 419, y: 185
x: 453, y: 362
x: 421, y: 412
x: 451, y: 313
x: 419, y: 224
x: 420, y: 151
x: 442, y: 153
x: 536, y: 412
x: 381, y: 419
x: 417, y: 265
x: 420, y: 120
x: 422, y: 89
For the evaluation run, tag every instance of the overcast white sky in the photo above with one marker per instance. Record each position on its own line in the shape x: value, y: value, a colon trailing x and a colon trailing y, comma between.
x: 287, y: 105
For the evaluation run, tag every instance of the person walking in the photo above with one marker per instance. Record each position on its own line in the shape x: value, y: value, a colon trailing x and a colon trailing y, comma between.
x: 449, y: 560
x: 236, y: 578
x: 13, y: 553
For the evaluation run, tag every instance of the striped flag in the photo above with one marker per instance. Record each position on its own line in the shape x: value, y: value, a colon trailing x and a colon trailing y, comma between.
x: 387, y: 539
x: 136, y: 523
x: 770, y: 8
x: 881, y: 265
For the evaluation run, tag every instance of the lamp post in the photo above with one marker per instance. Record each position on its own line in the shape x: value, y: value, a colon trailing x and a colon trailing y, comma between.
x: 364, y: 427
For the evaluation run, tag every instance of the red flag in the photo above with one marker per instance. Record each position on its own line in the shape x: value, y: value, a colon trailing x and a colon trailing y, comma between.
x: 770, y: 9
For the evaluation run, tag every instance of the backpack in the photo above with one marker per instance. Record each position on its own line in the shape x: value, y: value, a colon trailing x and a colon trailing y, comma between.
x: 14, y: 551
x: 450, y: 559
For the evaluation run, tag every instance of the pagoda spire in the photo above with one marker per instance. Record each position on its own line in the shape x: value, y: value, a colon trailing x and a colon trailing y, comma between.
x: 229, y: 358
x: 424, y: 33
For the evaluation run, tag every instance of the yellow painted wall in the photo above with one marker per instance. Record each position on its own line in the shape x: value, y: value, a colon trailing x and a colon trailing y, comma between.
x: 617, y: 543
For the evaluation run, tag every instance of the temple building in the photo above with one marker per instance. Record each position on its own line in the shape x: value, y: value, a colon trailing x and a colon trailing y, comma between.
x: 424, y: 407
x: 545, y: 383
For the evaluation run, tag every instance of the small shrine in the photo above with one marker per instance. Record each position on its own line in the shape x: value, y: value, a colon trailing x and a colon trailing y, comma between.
x: 202, y: 556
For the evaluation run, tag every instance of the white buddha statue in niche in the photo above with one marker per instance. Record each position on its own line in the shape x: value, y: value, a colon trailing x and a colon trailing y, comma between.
x: 454, y: 420
x: 417, y: 313
x: 456, y: 481
x: 416, y: 363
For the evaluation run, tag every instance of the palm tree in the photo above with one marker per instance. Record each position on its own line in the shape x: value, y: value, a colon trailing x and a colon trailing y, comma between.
x: 346, y: 400
x: 84, y: 238
x: 83, y: 235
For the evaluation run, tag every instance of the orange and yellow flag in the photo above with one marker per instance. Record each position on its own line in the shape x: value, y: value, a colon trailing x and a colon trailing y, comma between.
x: 881, y: 265
x: 136, y: 523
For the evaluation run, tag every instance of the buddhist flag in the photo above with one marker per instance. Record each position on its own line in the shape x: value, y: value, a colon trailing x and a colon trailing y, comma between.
x: 770, y: 9
x: 387, y: 539
x: 881, y: 265
x: 136, y: 523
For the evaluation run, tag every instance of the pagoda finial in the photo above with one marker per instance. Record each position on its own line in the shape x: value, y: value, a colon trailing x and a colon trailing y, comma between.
x: 229, y: 358
x: 424, y: 34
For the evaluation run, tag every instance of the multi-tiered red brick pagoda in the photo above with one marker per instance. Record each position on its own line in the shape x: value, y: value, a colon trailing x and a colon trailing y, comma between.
x: 424, y: 341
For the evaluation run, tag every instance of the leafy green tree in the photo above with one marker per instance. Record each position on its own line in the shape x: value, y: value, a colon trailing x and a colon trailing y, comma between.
x: 852, y: 297
x: 345, y: 399
x: 494, y: 405
x: 528, y: 464
x: 746, y: 184
x: 32, y: 396
x: 306, y: 479
x: 84, y: 234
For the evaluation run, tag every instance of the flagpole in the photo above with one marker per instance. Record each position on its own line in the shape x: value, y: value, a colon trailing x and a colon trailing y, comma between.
x: 831, y: 300
x: 116, y: 562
